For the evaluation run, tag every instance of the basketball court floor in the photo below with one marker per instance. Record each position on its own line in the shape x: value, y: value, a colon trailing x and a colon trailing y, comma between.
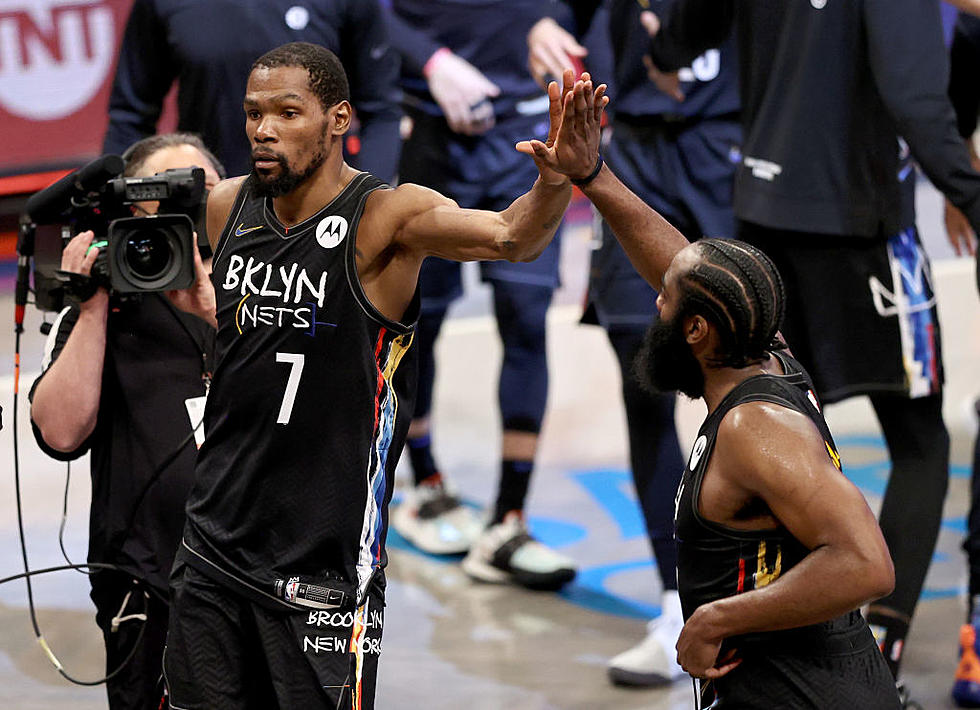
x: 451, y: 643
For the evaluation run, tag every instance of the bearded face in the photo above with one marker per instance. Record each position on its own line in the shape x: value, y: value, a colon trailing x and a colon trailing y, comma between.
x: 665, y: 362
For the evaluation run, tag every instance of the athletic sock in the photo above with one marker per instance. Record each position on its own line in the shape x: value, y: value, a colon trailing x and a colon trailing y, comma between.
x: 423, y: 465
x: 890, y: 633
x: 515, y: 477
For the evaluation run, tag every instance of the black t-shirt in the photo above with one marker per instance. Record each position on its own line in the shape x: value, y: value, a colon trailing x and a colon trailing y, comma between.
x: 715, y: 561
x: 156, y: 359
x: 309, y: 408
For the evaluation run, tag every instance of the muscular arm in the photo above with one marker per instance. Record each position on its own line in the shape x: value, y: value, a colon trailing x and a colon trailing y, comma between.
x: 144, y: 74
x: 776, y: 454
x: 648, y: 239
x: 439, y: 227
x: 436, y: 226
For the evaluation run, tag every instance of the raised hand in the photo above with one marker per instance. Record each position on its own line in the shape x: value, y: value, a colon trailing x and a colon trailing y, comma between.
x: 572, y: 148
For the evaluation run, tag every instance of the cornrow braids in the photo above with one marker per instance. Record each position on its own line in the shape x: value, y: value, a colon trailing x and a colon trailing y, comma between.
x: 738, y: 287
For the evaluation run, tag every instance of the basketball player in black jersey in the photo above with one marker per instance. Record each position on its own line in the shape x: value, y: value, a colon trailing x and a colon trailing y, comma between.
x: 278, y: 590
x: 777, y: 550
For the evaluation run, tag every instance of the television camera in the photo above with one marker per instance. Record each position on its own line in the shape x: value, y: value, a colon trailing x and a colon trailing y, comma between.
x: 138, y: 253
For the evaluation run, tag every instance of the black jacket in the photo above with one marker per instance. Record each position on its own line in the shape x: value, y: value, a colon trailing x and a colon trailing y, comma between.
x: 208, y: 46
x: 828, y: 86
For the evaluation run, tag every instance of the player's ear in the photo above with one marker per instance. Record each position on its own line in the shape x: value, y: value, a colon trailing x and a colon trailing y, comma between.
x: 695, y: 330
x: 339, y: 117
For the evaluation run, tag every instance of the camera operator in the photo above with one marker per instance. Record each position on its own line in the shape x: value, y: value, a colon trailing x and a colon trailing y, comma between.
x: 126, y: 378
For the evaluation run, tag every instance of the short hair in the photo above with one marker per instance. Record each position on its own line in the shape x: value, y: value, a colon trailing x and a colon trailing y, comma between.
x: 328, y: 80
x: 139, y: 152
x: 739, y: 289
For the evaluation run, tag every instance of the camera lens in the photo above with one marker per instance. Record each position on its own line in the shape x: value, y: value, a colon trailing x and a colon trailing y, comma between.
x: 148, y: 254
x: 151, y: 253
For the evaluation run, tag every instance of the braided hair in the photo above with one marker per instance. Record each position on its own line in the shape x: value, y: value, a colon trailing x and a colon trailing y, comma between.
x: 737, y: 287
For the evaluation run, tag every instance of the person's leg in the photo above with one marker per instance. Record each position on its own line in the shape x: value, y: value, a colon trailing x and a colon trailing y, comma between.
x: 431, y: 517
x: 911, y: 512
x: 657, y: 466
x: 134, y: 626
x: 506, y: 552
x: 966, y: 683
x: 419, y: 442
x: 655, y: 455
x: 522, y: 391
x: 651, y: 164
x: 972, y: 542
x: 324, y: 659
x: 213, y: 658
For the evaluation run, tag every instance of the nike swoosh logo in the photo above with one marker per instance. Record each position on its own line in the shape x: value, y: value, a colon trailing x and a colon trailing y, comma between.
x: 241, y: 230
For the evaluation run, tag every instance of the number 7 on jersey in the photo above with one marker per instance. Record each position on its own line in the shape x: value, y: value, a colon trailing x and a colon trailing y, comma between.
x: 295, y: 361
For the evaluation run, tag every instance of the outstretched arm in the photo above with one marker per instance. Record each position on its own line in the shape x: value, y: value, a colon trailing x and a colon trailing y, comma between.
x: 436, y: 226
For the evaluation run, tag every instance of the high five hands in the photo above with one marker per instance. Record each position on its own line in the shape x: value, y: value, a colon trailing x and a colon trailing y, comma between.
x: 572, y: 148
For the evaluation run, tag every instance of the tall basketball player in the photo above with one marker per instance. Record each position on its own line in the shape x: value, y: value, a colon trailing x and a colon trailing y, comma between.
x: 777, y: 550
x: 278, y: 590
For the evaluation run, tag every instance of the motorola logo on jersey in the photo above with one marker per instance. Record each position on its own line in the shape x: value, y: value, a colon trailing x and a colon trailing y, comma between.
x: 54, y: 55
x: 698, y: 451
x: 331, y: 231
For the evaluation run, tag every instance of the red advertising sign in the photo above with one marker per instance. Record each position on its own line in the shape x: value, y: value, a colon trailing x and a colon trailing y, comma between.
x: 57, y: 59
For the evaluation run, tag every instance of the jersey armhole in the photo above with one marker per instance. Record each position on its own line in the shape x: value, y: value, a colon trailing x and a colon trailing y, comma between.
x: 233, y: 214
x: 412, y: 312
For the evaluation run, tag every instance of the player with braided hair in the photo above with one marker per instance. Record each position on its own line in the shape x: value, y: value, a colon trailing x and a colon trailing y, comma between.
x: 758, y: 312
x: 777, y: 550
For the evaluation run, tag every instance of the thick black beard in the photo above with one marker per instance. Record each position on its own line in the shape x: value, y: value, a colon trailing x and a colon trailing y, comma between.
x: 665, y: 362
x: 287, y: 180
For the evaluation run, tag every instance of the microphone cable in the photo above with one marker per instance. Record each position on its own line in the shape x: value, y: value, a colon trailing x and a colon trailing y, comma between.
x: 28, y: 573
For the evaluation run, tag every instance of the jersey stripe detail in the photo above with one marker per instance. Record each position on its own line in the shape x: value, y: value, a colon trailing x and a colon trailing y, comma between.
x: 388, y: 357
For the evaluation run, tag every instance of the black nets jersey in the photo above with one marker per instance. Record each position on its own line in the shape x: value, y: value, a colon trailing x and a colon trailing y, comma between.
x: 309, y: 407
x: 830, y: 665
x: 716, y: 561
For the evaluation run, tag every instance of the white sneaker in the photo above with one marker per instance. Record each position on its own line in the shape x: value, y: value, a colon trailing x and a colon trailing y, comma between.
x: 435, y: 521
x: 505, y: 552
x: 653, y: 661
